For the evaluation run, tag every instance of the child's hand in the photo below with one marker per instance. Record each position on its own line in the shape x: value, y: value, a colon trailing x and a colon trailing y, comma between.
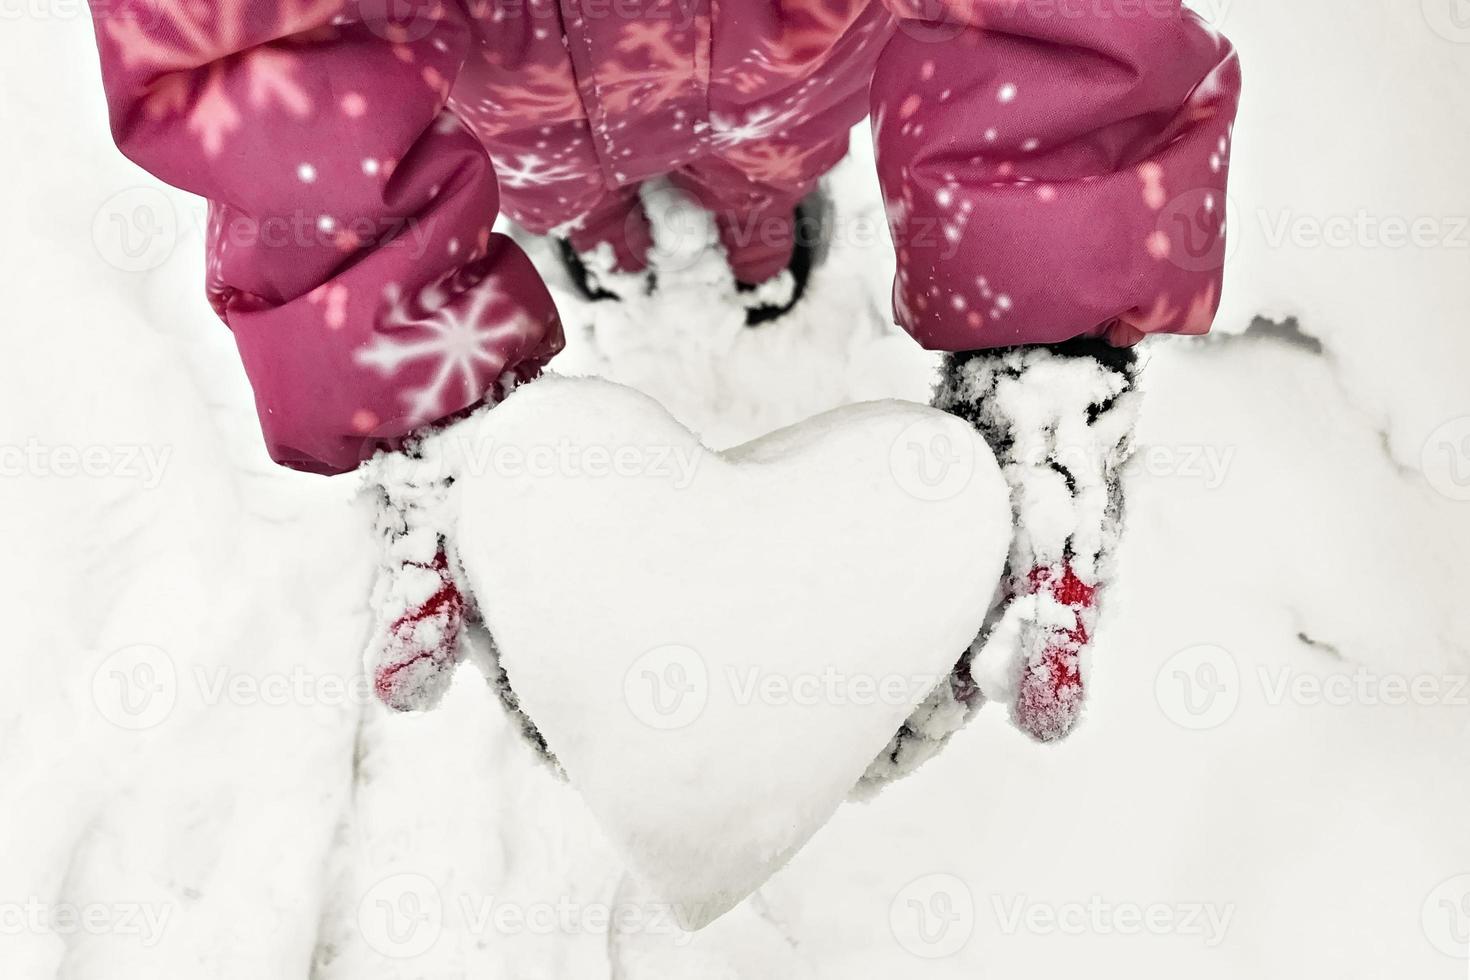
x: 1061, y: 423
x: 421, y: 605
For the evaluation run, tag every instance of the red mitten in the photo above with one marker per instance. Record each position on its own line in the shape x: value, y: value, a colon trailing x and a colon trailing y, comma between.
x: 1060, y: 420
x: 421, y: 606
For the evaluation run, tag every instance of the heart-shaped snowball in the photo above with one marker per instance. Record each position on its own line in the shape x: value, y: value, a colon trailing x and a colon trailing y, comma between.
x: 715, y: 645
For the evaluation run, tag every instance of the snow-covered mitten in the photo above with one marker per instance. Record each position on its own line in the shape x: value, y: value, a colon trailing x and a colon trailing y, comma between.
x: 1060, y: 420
x: 421, y: 605
x: 427, y: 618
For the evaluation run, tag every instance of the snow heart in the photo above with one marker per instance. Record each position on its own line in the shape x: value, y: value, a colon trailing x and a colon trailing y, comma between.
x: 715, y: 655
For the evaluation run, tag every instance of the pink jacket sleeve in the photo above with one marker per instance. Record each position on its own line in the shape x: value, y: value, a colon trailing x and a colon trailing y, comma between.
x: 1054, y: 169
x: 349, y: 242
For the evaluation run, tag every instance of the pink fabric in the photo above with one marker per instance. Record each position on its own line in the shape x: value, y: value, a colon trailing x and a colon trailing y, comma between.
x: 1053, y: 169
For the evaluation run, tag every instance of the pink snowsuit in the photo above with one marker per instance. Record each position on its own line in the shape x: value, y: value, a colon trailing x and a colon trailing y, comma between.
x: 1053, y: 169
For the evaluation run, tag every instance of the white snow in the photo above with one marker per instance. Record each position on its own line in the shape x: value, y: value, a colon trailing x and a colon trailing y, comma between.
x: 715, y: 646
x: 1253, y: 754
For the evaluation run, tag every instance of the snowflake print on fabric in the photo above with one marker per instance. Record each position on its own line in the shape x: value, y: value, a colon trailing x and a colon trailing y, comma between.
x: 773, y: 163
x: 1032, y: 197
x: 459, y: 343
x: 759, y: 124
x: 652, y: 72
x: 530, y: 170
x: 194, y: 32
x: 530, y: 96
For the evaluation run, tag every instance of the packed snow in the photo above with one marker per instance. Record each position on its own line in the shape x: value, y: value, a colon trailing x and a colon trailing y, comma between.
x: 196, y: 782
x: 716, y: 646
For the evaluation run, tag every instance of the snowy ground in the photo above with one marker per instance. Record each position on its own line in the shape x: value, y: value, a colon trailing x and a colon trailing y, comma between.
x: 1272, y: 780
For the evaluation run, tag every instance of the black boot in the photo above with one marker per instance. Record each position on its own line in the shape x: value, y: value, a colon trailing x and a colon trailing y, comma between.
x: 810, y: 234
x: 588, y: 285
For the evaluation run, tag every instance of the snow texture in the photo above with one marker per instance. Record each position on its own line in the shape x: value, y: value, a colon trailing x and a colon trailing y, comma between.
x: 1294, y: 514
x: 720, y: 647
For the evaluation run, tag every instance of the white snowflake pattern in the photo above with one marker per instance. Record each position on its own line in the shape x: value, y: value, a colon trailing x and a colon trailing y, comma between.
x: 532, y: 170
x: 462, y: 344
x: 760, y: 124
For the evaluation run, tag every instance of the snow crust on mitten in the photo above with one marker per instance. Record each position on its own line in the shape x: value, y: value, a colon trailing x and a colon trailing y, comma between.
x: 421, y: 606
x: 1061, y: 427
